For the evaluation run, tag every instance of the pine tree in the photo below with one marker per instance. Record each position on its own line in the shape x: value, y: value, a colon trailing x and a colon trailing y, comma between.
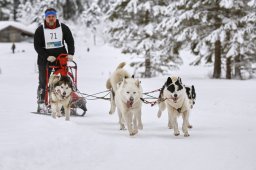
x: 104, y: 5
x: 5, y: 9
x: 241, y: 47
x: 33, y: 11
x: 92, y: 19
x: 211, y: 28
x: 25, y: 12
x: 133, y: 28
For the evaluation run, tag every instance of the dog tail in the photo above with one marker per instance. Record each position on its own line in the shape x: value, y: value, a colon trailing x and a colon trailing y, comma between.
x: 108, y: 84
x: 121, y: 65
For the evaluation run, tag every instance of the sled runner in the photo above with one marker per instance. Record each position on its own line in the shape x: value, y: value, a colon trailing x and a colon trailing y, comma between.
x: 64, y: 68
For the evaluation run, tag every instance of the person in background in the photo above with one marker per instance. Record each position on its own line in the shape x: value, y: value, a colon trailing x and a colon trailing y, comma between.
x: 13, y: 47
x: 49, y: 41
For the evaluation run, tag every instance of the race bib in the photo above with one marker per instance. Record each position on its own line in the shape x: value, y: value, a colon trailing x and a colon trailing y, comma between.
x: 53, y: 38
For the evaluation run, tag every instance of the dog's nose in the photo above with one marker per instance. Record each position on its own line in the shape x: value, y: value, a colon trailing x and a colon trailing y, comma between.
x: 64, y: 93
x: 131, y: 98
x: 175, y: 95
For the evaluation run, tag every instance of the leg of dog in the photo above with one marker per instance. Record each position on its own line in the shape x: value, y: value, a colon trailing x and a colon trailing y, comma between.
x: 67, y: 112
x: 189, y: 125
x: 128, y: 120
x: 185, y: 123
x: 170, y: 126
x: 139, y: 122
x: 54, y: 110
x: 113, y: 104
x: 59, y: 106
x: 121, y: 121
x: 173, y: 115
x: 162, y: 107
x: 134, y: 124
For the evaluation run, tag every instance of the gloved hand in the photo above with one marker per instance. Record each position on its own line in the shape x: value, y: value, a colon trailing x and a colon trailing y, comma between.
x: 51, y: 59
x: 70, y: 57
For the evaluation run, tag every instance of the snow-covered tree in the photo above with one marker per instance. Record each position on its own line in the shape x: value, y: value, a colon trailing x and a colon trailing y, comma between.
x: 241, y: 47
x: 5, y: 9
x: 8, y: 9
x: 92, y: 20
x: 25, y: 11
x: 133, y: 28
x: 33, y: 11
x: 71, y: 8
x: 104, y: 5
x: 211, y: 28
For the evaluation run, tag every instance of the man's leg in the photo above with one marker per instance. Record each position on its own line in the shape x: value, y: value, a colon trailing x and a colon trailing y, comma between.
x: 42, y: 84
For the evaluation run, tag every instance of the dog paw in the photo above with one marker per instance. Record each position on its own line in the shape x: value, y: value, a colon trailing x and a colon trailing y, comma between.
x: 177, y: 133
x: 186, y: 135
x: 67, y: 119
x: 190, y: 126
x: 53, y: 116
x: 122, y: 127
x: 133, y: 133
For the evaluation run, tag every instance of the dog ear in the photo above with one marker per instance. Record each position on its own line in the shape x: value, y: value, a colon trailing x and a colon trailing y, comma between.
x: 168, y: 82
x: 180, y: 80
x: 137, y: 82
x: 193, y: 91
x: 57, y: 84
x: 57, y: 77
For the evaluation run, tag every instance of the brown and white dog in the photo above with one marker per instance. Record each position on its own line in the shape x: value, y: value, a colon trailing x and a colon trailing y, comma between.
x: 60, y: 95
x: 174, y: 97
x: 125, y: 95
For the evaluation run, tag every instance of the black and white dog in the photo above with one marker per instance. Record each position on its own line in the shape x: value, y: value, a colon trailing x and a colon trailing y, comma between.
x: 191, y: 93
x: 173, y: 96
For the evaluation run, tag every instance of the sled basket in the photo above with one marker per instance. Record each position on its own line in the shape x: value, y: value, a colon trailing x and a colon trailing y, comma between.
x: 66, y: 68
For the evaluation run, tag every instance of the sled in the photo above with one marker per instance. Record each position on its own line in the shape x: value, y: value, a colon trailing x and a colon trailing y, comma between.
x: 64, y: 68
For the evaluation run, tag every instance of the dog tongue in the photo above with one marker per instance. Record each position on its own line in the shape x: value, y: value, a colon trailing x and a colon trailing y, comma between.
x: 175, y: 99
x: 129, y: 103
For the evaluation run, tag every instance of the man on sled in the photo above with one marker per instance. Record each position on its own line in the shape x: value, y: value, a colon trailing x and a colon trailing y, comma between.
x: 49, y: 44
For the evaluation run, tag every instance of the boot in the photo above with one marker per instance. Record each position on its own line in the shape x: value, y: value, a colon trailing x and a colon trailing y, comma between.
x: 41, y: 106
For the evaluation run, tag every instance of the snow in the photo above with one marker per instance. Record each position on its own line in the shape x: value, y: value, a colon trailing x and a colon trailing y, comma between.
x: 227, y: 3
x: 223, y: 119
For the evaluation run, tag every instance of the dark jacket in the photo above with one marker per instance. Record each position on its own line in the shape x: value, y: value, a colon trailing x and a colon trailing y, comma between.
x: 39, y: 44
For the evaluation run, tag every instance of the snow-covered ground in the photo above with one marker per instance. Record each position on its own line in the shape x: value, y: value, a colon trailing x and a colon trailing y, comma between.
x: 223, y: 135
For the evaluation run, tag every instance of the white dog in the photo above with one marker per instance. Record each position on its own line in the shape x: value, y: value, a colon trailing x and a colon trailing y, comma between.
x: 126, y: 94
x: 174, y: 97
x: 116, y: 77
x: 60, y: 95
